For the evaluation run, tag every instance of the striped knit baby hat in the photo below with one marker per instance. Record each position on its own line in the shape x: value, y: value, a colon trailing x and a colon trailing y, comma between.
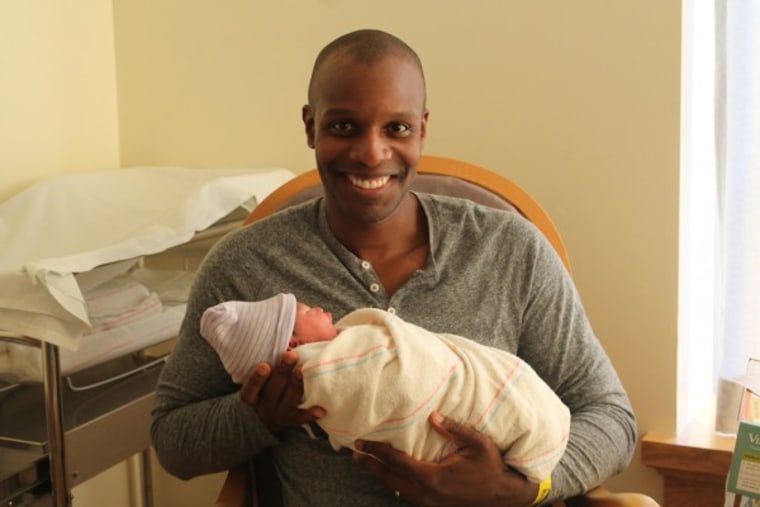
x: 245, y: 333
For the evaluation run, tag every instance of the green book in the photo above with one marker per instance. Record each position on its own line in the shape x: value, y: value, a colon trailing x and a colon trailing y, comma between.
x: 744, y: 475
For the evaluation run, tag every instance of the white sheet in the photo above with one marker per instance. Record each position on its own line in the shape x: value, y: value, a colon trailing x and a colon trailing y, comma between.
x: 129, y: 310
x: 73, y: 223
x: 22, y: 363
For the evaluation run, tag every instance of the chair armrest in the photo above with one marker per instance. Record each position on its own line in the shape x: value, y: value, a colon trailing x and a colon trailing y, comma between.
x: 601, y: 497
x: 236, y: 490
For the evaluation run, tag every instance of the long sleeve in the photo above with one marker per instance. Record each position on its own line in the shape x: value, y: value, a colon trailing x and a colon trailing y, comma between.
x: 558, y: 341
x: 200, y: 425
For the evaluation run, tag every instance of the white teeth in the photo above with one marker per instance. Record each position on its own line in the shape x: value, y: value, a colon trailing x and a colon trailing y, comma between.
x: 368, y: 183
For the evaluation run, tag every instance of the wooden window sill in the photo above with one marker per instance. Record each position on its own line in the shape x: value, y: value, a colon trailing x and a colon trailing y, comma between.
x: 694, y: 464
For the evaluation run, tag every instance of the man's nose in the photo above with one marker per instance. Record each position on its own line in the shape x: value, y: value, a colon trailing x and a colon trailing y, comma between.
x: 371, y: 149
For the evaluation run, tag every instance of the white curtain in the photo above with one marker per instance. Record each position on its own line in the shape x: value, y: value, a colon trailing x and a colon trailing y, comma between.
x: 738, y: 183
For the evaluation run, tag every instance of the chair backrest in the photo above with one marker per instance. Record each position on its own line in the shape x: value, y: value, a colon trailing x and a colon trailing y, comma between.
x: 437, y: 175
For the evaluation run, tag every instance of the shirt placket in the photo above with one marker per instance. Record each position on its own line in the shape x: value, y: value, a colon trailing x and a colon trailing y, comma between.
x: 375, y: 288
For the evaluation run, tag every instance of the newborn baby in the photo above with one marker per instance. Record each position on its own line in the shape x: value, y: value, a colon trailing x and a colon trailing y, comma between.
x: 379, y: 377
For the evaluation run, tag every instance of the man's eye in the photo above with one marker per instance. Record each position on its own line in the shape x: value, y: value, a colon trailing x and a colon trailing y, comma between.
x: 341, y: 127
x: 399, y: 129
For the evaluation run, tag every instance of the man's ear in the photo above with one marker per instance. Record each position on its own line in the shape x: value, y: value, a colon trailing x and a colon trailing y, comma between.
x: 423, y: 125
x: 307, y: 114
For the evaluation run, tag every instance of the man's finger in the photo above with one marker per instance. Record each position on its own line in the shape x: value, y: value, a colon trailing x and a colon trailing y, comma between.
x: 250, y: 391
x: 391, y: 477
x: 456, y: 431
x: 293, y: 391
x: 390, y: 457
x: 279, y: 379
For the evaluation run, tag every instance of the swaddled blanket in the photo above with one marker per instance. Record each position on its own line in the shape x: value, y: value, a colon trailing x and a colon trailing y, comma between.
x: 380, y: 378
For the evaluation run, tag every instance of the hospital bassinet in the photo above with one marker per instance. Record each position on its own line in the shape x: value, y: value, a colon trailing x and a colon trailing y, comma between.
x: 94, y: 274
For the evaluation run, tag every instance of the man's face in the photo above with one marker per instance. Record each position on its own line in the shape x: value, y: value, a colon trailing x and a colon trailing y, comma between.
x: 367, y: 126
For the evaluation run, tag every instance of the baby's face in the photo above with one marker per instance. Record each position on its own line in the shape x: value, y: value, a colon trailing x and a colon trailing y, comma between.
x: 313, y: 324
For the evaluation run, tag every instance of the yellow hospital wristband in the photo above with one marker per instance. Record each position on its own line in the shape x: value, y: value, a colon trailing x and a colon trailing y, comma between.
x: 543, y: 491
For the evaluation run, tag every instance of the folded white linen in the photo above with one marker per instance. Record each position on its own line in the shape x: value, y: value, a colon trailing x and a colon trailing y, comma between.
x: 126, y: 316
x: 172, y: 286
x: 114, y: 298
x: 151, y: 305
x: 71, y: 224
x: 22, y: 363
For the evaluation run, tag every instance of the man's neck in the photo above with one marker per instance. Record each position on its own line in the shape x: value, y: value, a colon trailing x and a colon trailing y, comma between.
x: 396, y: 247
x: 399, y: 233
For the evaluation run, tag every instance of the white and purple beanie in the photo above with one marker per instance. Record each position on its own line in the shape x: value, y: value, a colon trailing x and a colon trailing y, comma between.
x: 245, y: 333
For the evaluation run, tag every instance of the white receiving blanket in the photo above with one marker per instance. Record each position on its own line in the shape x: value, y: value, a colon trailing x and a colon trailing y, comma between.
x: 382, y: 377
x: 23, y: 363
x: 129, y: 312
x: 71, y: 224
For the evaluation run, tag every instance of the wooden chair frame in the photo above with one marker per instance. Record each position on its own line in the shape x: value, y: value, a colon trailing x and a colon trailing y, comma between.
x: 238, y: 489
x: 500, y: 185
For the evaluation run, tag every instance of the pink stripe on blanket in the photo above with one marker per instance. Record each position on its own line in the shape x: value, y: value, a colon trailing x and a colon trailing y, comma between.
x: 446, y: 379
x: 499, y: 396
x: 397, y: 423
x: 345, y: 362
x: 548, y: 455
x: 146, y: 308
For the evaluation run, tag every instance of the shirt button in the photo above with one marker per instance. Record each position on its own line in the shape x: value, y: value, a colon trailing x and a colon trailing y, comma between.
x: 392, y: 310
x: 366, y: 264
x: 374, y: 287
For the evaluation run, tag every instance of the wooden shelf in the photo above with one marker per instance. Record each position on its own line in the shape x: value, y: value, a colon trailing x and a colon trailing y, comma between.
x: 694, y: 464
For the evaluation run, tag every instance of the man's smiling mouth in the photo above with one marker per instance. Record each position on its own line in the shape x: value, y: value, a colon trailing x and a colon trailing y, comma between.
x: 368, y: 183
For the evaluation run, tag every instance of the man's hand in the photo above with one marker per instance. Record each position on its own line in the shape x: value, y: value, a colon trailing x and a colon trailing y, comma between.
x: 474, y: 475
x: 276, y: 393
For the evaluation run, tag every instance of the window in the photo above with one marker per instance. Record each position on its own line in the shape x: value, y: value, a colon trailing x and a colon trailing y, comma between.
x: 719, y: 278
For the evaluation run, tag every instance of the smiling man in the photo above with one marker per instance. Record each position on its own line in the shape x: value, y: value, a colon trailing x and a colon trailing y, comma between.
x: 368, y: 140
x: 441, y: 263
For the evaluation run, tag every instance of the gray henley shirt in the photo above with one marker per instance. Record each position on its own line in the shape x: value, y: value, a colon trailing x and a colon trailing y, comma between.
x: 491, y: 276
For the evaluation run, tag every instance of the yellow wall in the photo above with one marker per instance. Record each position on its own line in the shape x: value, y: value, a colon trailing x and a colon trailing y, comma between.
x: 577, y: 101
x: 57, y: 90
x: 58, y: 114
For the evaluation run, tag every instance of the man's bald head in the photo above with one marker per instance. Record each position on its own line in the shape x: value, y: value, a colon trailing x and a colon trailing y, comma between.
x: 366, y: 47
